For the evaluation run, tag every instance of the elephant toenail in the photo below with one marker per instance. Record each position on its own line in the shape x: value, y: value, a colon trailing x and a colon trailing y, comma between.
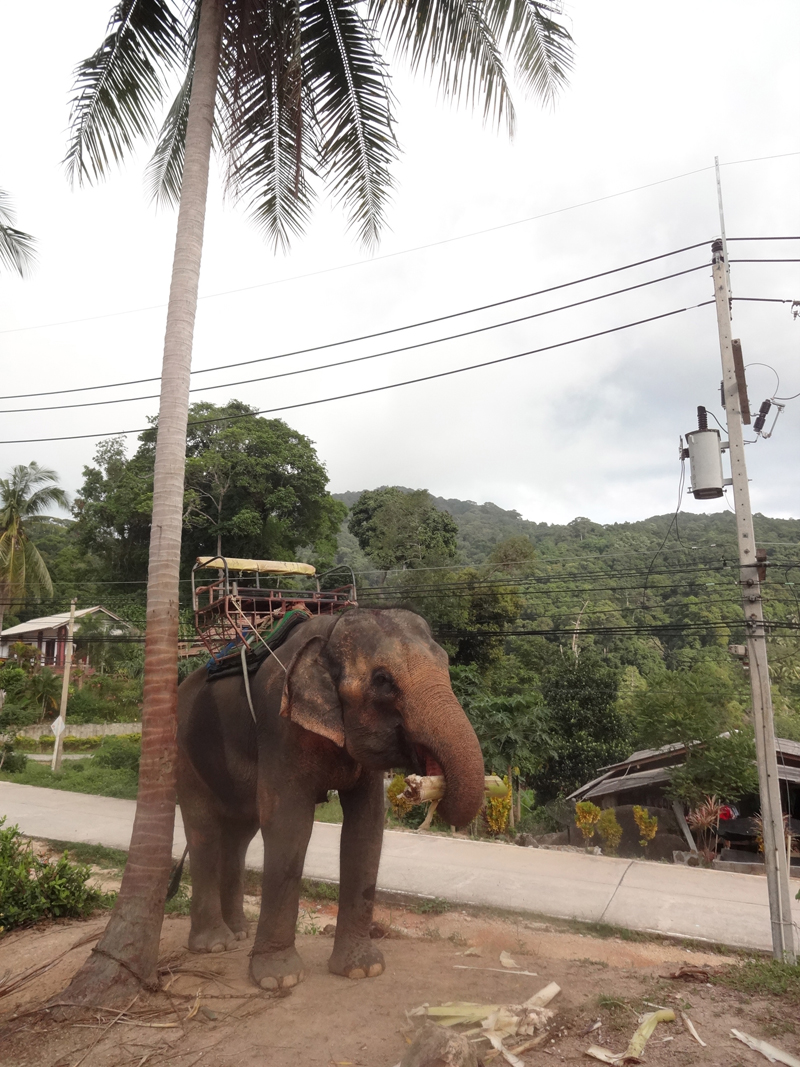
x: 375, y: 970
x: 358, y: 972
x: 269, y: 983
x: 219, y: 947
x: 289, y: 981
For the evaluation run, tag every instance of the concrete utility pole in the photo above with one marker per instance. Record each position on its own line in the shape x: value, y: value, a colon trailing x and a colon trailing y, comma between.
x: 775, y: 858
x: 60, y: 722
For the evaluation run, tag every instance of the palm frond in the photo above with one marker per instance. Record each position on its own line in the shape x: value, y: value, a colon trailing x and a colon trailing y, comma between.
x: 349, y: 94
x: 456, y: 39
x: 164, y: 173
x: 44, y: 498
x: 36, y: 577
x: 17, y: 249
x: 540, y: 47
x: 261, y: 115
x: 117, y: 88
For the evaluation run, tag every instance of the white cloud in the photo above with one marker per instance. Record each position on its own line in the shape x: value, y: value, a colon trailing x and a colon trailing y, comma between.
x: 591, y: 429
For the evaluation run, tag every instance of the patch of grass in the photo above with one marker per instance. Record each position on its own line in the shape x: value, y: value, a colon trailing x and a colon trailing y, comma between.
x: 330, y: 811
x: 434, y: 906
x: 759, y: 977
x: 605, y: 930
x: 311, y: 889
x: 180, y: 904
x: 99, y: 855
x: 80, y: 776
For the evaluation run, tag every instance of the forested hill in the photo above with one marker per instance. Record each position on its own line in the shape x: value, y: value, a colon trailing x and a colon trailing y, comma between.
x: 482, y: 526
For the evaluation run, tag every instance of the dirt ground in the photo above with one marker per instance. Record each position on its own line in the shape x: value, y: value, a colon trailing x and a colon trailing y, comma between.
x: 211, y: 1016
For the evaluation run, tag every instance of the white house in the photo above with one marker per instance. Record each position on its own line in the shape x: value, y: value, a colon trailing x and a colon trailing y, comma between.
x: 49, y: 634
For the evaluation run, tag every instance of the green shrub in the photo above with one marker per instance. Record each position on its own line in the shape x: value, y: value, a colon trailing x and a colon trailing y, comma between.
x: 14, y: 762
x: 32, y: 889
x: 86, y: 706
x: 610, y: 831
x: 119, y: 753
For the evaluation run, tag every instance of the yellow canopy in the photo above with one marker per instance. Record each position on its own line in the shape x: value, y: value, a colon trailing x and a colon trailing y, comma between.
x: 260, y: 566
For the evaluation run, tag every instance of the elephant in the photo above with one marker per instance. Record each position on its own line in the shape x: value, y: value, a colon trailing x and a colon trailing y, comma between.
x: 344, y: 699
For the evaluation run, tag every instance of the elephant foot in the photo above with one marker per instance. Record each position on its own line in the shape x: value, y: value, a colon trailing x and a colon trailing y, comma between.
x: 240, y: 928
x: 356, y: 959
x: 277, y: 970
x: 217, y: 938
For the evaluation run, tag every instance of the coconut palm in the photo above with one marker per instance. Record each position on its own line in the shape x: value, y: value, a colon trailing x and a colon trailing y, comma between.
x: 26, y: 492
x: 291, y: 93
x: 16, y: 247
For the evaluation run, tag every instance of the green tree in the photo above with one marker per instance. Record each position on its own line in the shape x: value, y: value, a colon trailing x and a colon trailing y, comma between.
x: 283, y: 90
x: 401, y: 530
x: 25, y: 493
x: 587, y: 729
x: 467, y: 607
x: 699, y: 710
x: 254, y: 487
x: 16, y: 247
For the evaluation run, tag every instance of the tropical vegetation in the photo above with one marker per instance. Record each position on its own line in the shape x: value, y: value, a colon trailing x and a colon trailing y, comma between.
x: 24, y: 494
x: 551, y: 701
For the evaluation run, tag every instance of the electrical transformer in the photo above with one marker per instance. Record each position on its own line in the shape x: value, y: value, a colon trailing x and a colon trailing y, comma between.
x: 705, y: 459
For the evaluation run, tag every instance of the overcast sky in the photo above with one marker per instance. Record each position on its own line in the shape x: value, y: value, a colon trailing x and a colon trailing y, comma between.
x: 588, y: 429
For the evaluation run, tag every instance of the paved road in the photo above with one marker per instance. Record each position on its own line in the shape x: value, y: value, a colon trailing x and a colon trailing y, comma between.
x: 715, y: 905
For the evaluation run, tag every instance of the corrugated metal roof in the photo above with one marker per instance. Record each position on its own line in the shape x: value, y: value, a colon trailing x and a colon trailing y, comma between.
x: 624, y: 783
x: 52, y: 622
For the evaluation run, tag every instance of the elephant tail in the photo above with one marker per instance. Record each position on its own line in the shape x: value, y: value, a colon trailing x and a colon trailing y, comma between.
x: 175, y: 877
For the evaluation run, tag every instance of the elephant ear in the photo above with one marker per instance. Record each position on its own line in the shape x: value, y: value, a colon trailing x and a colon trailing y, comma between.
x: 309, y: 695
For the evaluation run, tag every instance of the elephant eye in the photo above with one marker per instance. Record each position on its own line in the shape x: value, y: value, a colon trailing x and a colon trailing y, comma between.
x: 382, y: 680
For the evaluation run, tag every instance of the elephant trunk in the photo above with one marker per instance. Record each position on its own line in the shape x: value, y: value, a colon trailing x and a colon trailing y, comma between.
x: 442, y: 734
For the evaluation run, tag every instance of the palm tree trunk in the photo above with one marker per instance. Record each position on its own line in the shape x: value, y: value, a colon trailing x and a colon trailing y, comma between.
x: 125, y: 958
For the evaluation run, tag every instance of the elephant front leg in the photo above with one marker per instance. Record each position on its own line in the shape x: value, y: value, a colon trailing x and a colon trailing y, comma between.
x: 274, y: 960
x: 354, y: 954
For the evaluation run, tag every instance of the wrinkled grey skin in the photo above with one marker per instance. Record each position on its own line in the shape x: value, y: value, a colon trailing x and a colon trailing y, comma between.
x: 362, y: 692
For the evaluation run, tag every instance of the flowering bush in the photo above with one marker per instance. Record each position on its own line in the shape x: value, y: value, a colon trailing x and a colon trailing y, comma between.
x: 587, y: 815
x: 497, y: 811
x: 647, y: 823
x: 610, y: 831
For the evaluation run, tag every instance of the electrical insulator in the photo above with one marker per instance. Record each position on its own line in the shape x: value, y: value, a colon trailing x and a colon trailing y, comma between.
x: 705, y: 459
x: 761, y: 418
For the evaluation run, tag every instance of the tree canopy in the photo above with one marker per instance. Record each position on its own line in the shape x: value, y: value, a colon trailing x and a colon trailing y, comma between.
x: 400, y: 529
x: 254, y: 487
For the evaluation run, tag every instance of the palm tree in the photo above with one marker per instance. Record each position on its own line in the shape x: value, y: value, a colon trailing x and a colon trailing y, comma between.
x: 28, y: 491
x: 286, y: 91
x: 16, y: 247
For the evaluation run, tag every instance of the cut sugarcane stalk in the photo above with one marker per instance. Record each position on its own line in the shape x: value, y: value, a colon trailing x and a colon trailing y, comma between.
x: 422, y: 788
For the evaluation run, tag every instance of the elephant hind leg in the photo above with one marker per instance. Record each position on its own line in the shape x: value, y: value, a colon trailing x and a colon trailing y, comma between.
x: 236, y: 836
x: 206, y: 835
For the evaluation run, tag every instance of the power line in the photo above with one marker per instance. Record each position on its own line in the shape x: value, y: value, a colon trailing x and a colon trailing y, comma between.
x: 394, y: 329
x: 374, y: 389
x: 359, y: 359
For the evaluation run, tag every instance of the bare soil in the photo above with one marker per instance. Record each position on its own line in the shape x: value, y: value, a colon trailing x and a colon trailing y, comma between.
x: 210, y: 1014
